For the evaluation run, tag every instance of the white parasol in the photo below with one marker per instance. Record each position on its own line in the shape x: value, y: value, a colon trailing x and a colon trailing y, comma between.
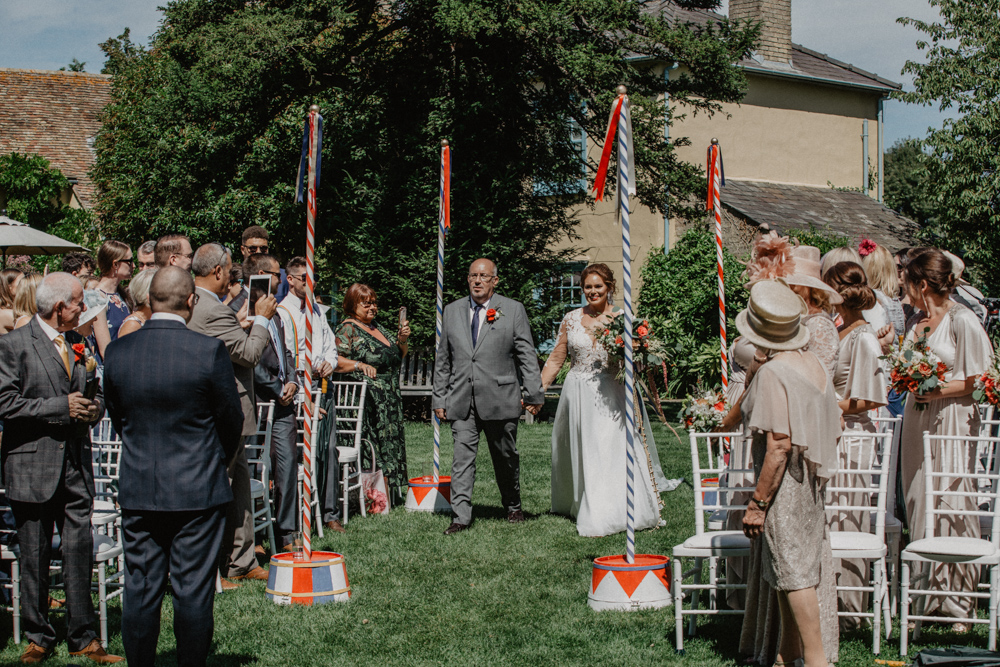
x: 19, y: 238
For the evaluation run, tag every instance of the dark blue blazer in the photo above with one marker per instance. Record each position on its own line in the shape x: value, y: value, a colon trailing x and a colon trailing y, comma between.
x: 171, y: 394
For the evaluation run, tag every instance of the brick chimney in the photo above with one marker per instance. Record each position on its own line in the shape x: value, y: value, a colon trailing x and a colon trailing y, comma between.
x: 775, y: 18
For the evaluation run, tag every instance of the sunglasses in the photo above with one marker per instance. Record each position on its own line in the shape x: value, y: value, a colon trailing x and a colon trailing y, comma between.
x: 256, y: 249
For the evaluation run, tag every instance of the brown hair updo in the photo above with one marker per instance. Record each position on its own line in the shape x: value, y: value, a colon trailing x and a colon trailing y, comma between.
x: 849, y: 279
x: 931, y: 265
x: 603, y: 272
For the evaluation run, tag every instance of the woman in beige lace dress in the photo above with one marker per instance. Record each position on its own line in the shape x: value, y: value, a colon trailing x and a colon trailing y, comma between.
x: 861, y: 386
x: 791, y: 409
x: 955, y: 335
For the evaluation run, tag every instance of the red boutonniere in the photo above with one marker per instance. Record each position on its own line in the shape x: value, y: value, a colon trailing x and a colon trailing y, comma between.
x: 491, y: 315
x: 80, y: 351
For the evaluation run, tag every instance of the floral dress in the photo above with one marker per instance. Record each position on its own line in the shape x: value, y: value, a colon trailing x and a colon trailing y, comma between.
x: 383, y: 418
x: 117, y: 312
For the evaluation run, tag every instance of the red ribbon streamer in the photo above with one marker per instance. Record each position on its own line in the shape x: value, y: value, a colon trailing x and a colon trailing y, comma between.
x: 446, y: 173
x: 602, y: 168
x: 712, y: 156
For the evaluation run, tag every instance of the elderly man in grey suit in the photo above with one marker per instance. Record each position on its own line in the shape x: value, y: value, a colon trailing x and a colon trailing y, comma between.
x: 211, y: 264
x: 47, y: 467
x: 485, y: 345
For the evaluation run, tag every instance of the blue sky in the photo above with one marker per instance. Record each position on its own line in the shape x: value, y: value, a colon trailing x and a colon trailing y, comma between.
x: 47, y: 34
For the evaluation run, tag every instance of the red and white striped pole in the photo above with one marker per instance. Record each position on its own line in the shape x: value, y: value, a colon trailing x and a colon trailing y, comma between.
x: 715, y: 183
x: 315, y: 127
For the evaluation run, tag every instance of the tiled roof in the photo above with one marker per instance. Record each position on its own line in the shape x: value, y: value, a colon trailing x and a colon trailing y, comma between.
x: 54, y: 114
x: 853, y: 215
x: 806, y: 63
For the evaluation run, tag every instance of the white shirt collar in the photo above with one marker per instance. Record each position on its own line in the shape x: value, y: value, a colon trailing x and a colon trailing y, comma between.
x: 214, y: 295
x: 486, y: 306
x: 49, y: 331
x: 170, y: 317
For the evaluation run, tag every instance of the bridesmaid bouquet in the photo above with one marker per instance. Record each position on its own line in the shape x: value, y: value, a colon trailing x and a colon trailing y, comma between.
x: 988, y: 386
x: 704, y: 411
x: 915, y: 368
x: 647, y: 350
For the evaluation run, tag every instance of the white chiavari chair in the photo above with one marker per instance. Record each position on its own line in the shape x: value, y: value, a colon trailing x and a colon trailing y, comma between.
x: 349, y: 408
x: 258, y: 458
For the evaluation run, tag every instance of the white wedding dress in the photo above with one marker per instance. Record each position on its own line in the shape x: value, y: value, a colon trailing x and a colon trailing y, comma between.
x: 588, y: 440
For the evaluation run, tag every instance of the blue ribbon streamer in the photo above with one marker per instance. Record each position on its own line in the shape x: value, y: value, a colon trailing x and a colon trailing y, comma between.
x: 304, y: 157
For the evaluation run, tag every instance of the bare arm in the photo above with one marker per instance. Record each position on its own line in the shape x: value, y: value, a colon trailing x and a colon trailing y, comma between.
x: 556, y: 359
x: 102, y: 333
x: 779, y: 446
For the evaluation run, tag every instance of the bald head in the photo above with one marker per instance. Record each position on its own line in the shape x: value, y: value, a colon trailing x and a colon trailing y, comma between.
x: 482, y: 279
x: 170, y: 292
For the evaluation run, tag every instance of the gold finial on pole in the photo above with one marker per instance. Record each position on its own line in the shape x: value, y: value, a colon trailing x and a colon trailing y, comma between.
x: 444, y: 143
x: 715, y: 142
x: 314, y: 108
x: 620, y: 90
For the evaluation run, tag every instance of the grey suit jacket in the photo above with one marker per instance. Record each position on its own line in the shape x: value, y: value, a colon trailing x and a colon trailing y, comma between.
x: 38, y: 432
x: 503, y: 350
x: 214, y: 318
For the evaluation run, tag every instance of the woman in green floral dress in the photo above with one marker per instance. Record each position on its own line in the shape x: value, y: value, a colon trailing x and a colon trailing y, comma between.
x: 367, y: 351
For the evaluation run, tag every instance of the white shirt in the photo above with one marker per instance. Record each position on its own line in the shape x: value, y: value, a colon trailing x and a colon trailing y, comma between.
x: 49, y: 331
x: 294, y: 320
x: 172, y: 317
x: 482, y: 312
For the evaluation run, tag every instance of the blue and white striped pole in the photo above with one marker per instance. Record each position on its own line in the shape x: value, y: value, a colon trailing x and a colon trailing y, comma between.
x: 630, y: 408
x: 443, y: 218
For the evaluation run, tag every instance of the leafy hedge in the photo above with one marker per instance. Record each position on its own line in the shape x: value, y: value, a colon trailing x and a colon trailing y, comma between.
x: 679, y: 297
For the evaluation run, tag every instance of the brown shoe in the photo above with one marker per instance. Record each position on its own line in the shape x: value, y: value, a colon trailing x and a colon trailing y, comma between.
x: 257, y: 573
x: 35, y: 654
x: 56, y: 603
x: 228, y: 585
x: 335, y: 527
x: 456, y: 528
x: 259, y: 551
x: 96, y: 652
x: 517, y: 516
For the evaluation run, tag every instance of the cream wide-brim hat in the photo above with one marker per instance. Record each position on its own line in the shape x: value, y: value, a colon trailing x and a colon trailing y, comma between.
x: 96, y: 302
x: 957, y: 267
x: 773, y: 317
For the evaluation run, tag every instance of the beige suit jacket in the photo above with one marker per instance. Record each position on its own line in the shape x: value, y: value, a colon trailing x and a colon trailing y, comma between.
x: 214, y: 318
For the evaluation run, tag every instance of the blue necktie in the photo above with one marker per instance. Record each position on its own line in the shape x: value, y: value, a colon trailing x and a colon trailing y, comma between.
x: 475, y: 324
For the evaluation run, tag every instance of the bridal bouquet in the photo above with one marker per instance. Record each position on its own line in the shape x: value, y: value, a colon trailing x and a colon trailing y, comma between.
x: 987, y: 387
x: 647, y: 350
x: 915, y: 369
x: 704, y: 411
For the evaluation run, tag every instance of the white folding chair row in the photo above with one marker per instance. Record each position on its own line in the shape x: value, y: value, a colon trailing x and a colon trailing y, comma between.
x: 349, y: 408
x: 951, y: 495
x: 893, y: 525
x: 7, y: 538
x: 109, y: 544
x: 859, y: 487
x: 258, y: 458
x: 709, y: 545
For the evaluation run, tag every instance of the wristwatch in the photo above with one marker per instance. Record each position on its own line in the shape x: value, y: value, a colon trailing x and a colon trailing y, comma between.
x: 762, y: 504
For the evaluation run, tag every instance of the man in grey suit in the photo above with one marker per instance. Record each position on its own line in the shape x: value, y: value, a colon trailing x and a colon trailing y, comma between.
x: 46, y: 464
x: 485, y: 345
x: 211, y: 264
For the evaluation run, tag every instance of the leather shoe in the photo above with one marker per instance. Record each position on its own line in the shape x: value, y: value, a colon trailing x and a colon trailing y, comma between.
x: 35, y: 654
x: 517, y: 516
x: 229, y: 585
x: 456, y: 527
x: 96, y: 652
x: 335, y: 527
x: 258, y: 573
x: 259, y: 551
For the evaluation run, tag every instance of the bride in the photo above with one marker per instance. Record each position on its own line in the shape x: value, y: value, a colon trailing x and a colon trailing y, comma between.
x: 588, y: 437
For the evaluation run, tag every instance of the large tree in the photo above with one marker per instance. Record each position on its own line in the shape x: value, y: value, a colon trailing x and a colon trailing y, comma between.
x: 204, y: 128
x: 908, y: 189
x: 962, y: 72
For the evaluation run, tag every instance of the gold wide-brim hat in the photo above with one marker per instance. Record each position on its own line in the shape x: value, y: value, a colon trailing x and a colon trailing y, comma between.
x: 773, y: 317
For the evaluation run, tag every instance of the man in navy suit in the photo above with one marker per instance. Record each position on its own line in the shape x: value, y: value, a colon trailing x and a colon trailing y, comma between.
x: 172, y: 396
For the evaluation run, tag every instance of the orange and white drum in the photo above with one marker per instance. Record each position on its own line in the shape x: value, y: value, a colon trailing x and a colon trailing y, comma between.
x: 616, y: 584
x: 424, y: 495
x: 320, y: 580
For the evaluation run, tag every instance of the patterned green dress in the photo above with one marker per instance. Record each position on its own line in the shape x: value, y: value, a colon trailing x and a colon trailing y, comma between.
x: 383, y: 418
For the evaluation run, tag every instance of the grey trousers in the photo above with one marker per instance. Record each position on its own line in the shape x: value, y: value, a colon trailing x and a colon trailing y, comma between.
x: 237, y: 556
x: 284, y: 461
x: 501, y: 436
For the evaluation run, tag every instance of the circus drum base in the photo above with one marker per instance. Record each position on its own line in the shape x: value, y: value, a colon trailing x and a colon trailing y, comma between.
x: 426, y: 496
x: 308, y: 582
x: 618, y: 585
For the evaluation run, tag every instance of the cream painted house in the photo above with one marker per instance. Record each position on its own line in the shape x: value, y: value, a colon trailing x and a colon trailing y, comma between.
x: 807, y: 125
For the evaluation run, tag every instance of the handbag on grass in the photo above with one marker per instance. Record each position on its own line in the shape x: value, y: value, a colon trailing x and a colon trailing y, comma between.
x: 374, y: 492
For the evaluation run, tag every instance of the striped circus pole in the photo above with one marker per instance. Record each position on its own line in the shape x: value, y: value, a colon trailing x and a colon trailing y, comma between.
x: 312, y: 147
x: 631, y: 581
x: 444, y: 223
x: 434, y: 494
x: 716, y: 179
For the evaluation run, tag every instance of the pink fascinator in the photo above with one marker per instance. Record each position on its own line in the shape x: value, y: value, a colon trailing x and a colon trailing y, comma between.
x: 771, y: 258
x: 866, y: 247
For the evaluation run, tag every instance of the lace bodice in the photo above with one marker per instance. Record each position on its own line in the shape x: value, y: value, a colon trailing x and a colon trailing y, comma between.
x: 587, y: 358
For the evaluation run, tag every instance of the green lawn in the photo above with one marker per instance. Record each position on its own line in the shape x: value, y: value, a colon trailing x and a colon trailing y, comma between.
x: 497, y: 594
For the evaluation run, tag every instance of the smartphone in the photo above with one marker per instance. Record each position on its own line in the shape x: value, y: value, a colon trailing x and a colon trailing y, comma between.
x: 259, y: 286
x: 402, y: 316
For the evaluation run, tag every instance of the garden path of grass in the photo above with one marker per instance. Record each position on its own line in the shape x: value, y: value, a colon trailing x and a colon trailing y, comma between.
x: 497, y: 594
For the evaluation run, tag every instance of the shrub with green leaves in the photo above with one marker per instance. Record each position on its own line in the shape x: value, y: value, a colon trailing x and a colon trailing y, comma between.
x: 679, y: 297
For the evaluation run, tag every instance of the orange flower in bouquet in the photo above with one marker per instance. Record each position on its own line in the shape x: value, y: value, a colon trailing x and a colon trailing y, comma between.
x: 915, y: 369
